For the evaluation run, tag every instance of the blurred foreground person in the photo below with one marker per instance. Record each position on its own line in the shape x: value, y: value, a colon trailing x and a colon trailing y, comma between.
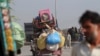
x: 19, y: 36
x: 90, y: 23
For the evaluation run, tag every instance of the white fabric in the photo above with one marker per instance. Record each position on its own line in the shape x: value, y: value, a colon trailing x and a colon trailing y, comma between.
x: 52, y: 47
x: 83, y: 50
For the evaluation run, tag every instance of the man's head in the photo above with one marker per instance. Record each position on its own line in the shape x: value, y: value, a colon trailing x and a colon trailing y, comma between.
x: 90, y: 23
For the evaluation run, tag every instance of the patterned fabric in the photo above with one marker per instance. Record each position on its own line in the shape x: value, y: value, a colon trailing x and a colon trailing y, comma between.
x: 9, y: 39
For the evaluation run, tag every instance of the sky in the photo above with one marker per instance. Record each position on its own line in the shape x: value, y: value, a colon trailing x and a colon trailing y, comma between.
x: 68, y: 11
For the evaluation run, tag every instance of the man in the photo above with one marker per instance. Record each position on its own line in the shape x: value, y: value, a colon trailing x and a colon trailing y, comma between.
x: 90, y: 23
x: 68, y: 40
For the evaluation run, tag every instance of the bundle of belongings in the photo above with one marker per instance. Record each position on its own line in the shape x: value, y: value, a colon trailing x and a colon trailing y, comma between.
x: 44, y: 17
x: 51, y: 40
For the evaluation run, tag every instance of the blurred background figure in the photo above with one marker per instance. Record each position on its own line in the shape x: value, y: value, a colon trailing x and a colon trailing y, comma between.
x: 68, y: 40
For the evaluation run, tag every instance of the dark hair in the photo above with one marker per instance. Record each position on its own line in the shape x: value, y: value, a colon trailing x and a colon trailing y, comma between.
x: 90, y: 15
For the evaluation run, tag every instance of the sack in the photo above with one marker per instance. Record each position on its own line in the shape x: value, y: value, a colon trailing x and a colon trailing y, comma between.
x: 41, y: 41
x: 53, y: 38
x: 62, y: 41
x: 52, y: 47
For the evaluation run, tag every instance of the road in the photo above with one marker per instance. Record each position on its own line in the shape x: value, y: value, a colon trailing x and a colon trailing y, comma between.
x: 26, y: 51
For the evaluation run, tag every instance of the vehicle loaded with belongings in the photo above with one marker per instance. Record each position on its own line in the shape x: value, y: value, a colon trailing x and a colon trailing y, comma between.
x: 46, y: 39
